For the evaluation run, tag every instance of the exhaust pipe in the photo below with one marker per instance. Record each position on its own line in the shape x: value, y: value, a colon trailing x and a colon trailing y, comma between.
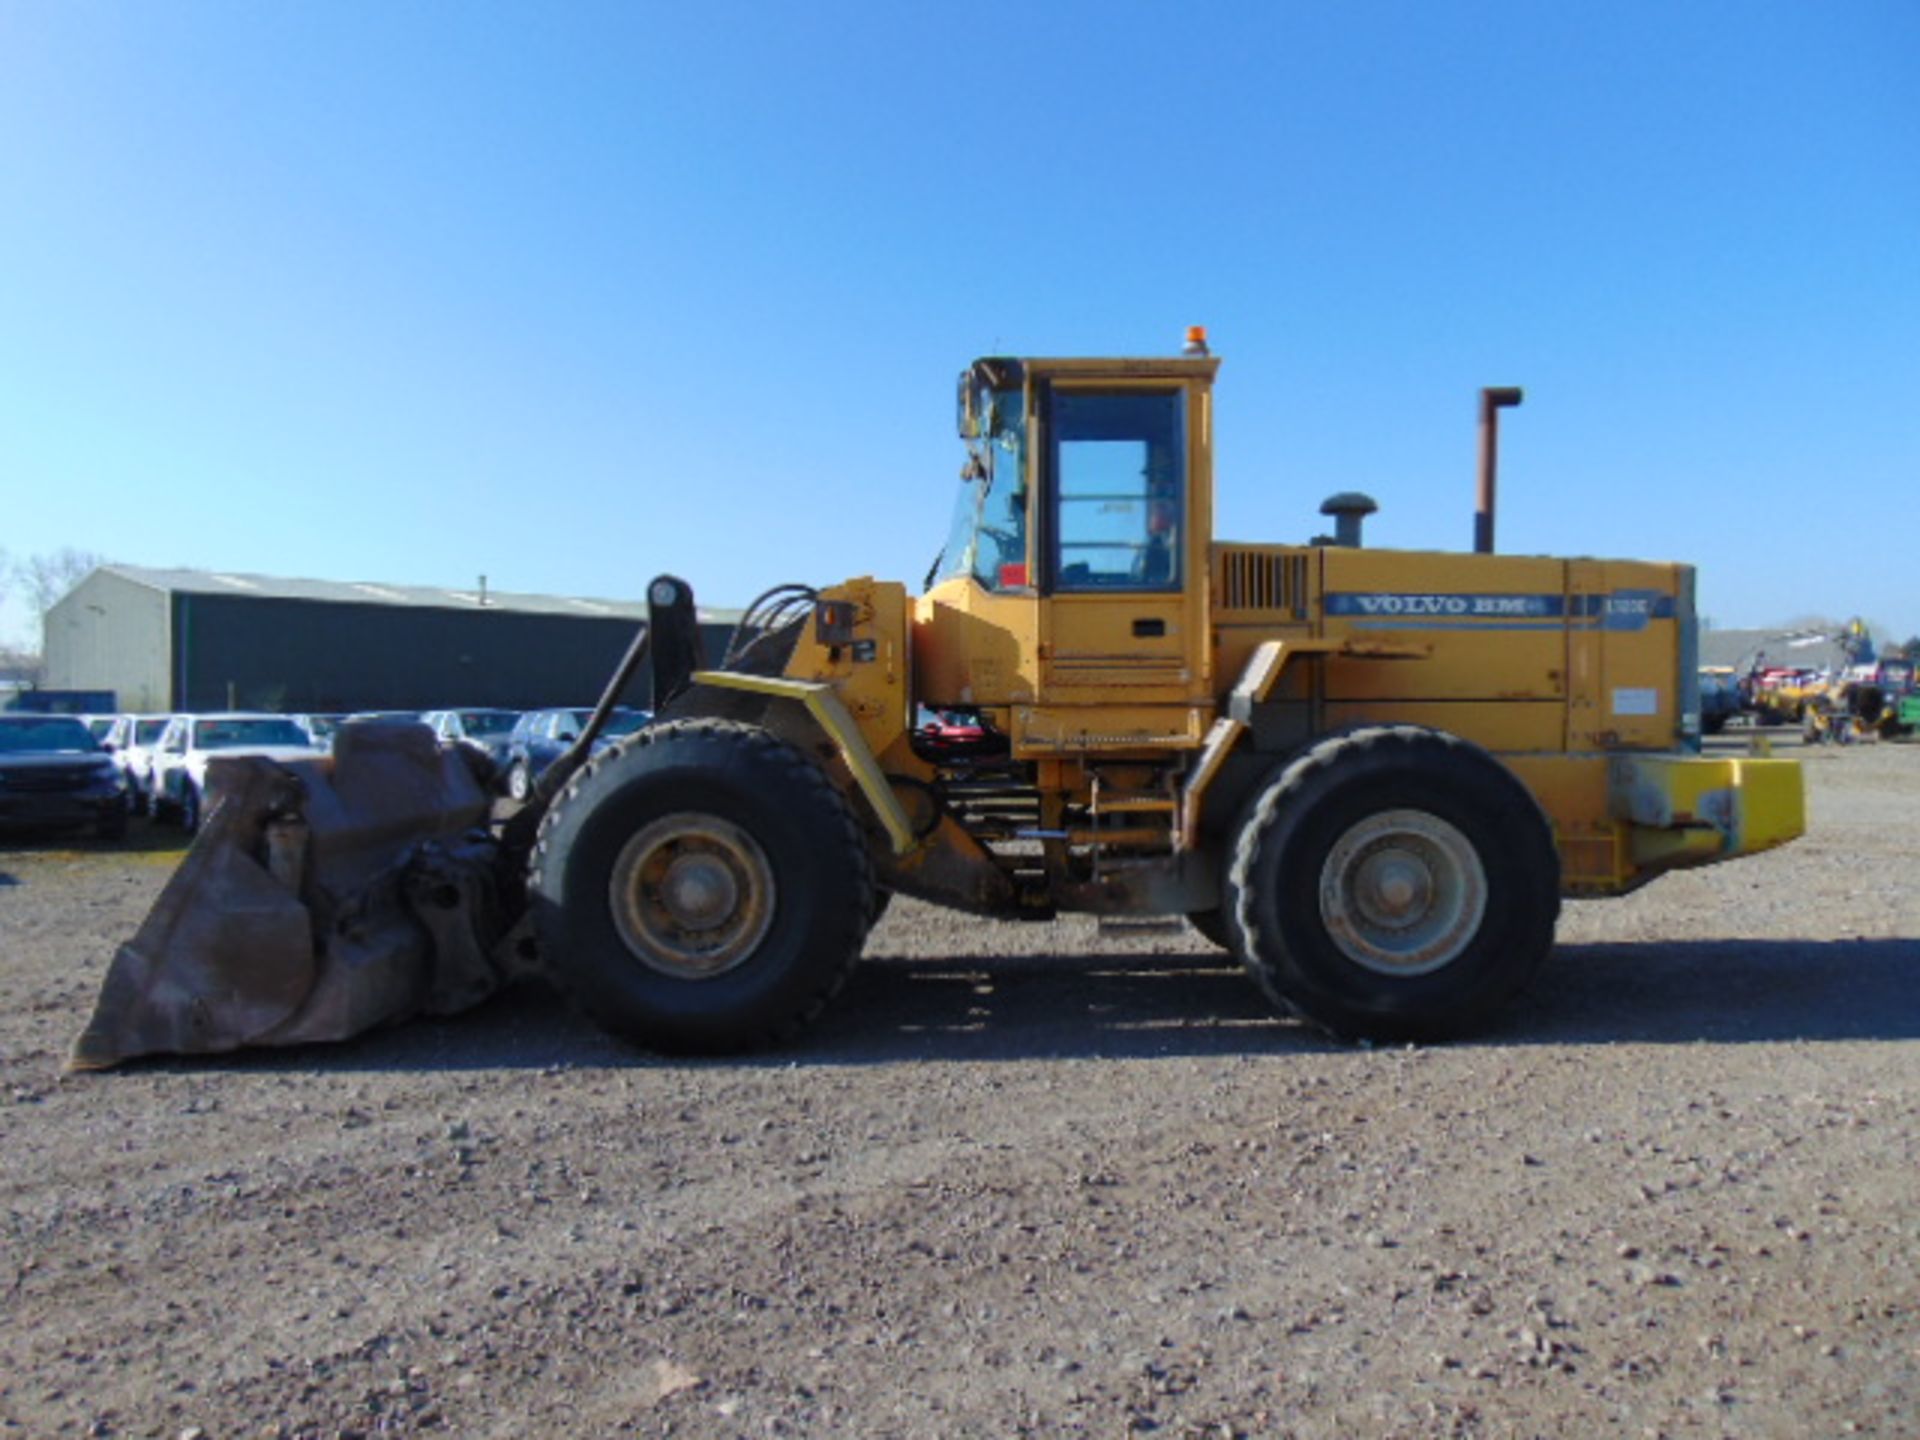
x: 1493, y: 399
x: 1348, y: 509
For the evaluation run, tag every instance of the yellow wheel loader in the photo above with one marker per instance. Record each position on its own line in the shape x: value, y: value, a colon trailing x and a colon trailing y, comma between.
x: 1372, y: 775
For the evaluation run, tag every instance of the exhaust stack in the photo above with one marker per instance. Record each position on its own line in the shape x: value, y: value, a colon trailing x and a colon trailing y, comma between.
x: 1348, y: 509
x: 1493, y: 399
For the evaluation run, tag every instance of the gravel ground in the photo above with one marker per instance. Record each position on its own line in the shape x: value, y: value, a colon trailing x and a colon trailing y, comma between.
x: 1021, y: 1181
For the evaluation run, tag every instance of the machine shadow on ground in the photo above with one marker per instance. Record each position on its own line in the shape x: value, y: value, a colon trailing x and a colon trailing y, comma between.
x: 1190, y: 1002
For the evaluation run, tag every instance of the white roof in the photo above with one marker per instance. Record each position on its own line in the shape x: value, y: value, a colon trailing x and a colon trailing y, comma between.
x: 367, y: 592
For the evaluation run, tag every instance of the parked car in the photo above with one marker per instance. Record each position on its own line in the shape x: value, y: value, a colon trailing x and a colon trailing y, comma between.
x: 132, y: 740
x: 319, y: 727
x: 542, y: 736
x: 190, y: 741
x: 485, y: 730
x: 1719, y: 700
x: 55, y: 776
x: 98, y: 726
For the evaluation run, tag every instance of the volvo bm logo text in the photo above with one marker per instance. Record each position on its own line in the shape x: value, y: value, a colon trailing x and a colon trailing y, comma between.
x: 1439, y: 605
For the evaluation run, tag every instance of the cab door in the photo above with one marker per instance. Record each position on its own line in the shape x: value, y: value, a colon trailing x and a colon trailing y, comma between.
x: 1121, y: 543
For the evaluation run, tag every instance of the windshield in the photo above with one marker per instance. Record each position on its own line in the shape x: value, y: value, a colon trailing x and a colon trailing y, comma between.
x: 988, y: 536
x: 146, y: 732
x: 477, y: 723
x: 230, y: 734
x: 55, y: 732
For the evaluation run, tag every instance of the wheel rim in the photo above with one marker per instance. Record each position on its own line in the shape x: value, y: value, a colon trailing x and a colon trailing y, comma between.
x: 517, y: 785
x: 692, y: 895
x: 1403, y: 893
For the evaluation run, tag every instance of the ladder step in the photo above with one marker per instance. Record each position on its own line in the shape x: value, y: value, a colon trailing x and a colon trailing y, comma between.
x: 1134, y: 802
x: 1131, y: 836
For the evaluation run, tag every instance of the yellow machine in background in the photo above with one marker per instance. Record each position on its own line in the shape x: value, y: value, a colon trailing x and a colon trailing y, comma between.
x: 1370, y: 774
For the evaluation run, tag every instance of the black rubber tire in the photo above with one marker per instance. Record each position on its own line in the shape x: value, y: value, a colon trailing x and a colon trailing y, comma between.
x: 111, y: 827
x: 1215, y: 927
x: 190, y: 803
x: 1319, y: 802
x: 719, y: 772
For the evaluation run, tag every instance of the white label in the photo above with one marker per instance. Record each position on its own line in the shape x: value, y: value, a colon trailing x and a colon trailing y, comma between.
x: 1636, y: 702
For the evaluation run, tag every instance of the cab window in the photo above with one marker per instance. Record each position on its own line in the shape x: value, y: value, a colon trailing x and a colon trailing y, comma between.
x: 1119, y: 469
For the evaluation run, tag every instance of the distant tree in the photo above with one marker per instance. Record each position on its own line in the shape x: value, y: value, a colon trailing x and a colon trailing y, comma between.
x: 49, y: 576
x: 20, y: 664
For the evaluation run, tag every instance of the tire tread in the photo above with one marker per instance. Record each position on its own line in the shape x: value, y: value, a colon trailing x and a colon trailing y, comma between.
x: 805, y: 784
x: 1282, y: 806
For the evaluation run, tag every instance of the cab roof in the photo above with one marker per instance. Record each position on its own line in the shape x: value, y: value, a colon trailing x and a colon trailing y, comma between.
x: 1010, y: 370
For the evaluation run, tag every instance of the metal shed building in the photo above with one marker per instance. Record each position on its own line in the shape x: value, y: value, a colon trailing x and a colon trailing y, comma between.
x: 197, y: 640
x: 1742, y: 649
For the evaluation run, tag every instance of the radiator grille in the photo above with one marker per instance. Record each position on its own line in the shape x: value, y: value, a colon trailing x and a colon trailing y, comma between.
x: 1264, y: 580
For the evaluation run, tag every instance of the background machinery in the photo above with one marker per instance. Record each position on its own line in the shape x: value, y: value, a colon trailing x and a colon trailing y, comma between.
x: 1370, y: 774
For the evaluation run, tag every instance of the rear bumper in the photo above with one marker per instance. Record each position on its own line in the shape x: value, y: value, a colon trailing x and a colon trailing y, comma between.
x: 60, y: 811
x: 1698, y: 809
x: 1620, y: 820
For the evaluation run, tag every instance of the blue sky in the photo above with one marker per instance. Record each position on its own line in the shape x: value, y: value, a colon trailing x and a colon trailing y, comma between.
x: 571, y: 294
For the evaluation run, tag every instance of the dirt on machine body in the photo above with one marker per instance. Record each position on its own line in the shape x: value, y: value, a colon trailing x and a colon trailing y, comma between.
x: 1370, y: 774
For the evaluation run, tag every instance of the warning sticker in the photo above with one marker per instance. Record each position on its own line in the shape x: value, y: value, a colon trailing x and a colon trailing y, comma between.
x: 1634, y: 701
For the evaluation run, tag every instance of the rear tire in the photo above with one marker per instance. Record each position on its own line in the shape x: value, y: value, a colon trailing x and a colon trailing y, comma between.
x: 702, y: 888
x: 1395, y: 883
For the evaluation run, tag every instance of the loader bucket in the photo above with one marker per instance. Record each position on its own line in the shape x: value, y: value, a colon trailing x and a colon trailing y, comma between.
x: 320, y: 899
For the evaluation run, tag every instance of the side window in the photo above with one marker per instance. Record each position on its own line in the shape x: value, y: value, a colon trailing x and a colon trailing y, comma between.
x: 1119, y: 467
x: 1000, y: 555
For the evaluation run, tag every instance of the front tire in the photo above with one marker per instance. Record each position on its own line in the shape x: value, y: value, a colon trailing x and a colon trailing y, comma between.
x: 702, y: 888
x: 1215, y: 927
x: 519, y: 781
x: 1395, y: 883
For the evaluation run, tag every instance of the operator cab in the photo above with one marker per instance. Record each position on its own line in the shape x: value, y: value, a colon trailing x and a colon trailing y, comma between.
x: 1077, y: 475
x: 1078, y: 546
